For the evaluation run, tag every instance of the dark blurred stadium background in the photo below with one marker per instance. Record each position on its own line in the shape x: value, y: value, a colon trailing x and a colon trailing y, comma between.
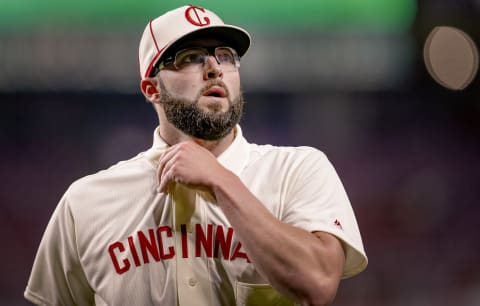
x: 346, y: 77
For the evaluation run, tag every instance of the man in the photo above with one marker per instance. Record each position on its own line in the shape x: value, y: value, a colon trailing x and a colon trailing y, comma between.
x: 203, y: 217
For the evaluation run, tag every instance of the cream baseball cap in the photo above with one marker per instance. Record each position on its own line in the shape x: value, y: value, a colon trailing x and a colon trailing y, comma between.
x: 187, y: 22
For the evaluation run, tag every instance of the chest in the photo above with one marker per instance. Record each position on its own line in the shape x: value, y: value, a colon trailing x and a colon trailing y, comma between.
x: 162, y: 243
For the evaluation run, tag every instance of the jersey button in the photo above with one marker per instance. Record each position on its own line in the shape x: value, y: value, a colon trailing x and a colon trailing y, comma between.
x: 192, y: 282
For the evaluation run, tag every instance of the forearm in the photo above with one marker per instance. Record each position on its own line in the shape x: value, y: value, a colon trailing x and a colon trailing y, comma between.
x: 299, y: 264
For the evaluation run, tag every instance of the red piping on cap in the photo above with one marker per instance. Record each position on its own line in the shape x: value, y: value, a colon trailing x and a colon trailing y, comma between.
x: 150, y: 66
x: 159, y: 51
x: 153, y: 36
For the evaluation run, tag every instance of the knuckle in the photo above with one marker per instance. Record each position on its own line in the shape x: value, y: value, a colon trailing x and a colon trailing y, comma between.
x: 183, y: 145
x: 174, y: 170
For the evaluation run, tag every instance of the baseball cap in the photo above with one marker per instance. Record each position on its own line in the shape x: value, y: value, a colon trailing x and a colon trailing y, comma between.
x: 184, y: 23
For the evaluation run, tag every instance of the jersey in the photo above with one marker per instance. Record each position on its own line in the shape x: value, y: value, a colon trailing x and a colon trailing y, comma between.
x: 114, y: 240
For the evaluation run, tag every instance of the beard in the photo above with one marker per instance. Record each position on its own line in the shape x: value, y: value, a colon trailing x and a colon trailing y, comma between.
x: 189, y: 118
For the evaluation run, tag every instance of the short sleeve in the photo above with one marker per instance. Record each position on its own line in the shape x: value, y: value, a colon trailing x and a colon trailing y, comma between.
x: 316, y: 201
x: 57, y: 277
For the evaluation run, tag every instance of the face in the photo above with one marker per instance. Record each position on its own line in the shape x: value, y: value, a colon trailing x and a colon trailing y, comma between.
x: 204, y: 104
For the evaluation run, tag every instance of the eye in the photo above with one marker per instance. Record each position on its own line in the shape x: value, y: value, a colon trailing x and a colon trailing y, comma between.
x: 190, y: 56
x: 193, y: 58
x: 225, y: 56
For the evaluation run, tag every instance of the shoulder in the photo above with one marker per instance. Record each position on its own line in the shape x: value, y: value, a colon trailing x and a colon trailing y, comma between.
x: 120, y: 176
x: 286, y: 163
x: 286, y: 154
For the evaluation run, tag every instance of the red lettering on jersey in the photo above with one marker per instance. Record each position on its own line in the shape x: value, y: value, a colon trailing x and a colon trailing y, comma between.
x: 149, y: 245
x: 206, y: 242
x: 113, y: 256
x: 196, y: 18
x: 152, y: 243
x: 225, y: 243
x: 136, y: 260
x: 183, y: 229
x: 171, y: 250
x: 239, y: 254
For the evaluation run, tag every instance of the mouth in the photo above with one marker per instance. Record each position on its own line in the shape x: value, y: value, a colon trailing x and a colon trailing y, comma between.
x: 215, y: 91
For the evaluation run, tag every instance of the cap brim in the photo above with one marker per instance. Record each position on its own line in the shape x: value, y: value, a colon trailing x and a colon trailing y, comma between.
x: 233, y: 36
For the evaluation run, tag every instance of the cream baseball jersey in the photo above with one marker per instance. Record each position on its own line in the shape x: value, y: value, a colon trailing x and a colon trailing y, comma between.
x: 114, y: 240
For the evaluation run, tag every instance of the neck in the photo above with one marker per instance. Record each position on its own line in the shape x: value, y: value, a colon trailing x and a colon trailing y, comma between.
x: 217, y: 147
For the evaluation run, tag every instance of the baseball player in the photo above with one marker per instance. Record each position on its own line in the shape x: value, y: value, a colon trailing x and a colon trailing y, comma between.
x: 203, y: 217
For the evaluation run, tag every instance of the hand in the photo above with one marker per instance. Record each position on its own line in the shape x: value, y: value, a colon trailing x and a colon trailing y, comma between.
x: 190, y: 164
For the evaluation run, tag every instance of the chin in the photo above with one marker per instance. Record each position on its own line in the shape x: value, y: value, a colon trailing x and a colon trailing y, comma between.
x: 215, y: 107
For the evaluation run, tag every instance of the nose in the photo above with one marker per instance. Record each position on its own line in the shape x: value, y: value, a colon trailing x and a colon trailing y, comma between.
x: 212, y: 69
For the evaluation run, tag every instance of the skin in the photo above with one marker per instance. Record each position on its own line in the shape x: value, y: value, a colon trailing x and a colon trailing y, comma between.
x: 311, y: 273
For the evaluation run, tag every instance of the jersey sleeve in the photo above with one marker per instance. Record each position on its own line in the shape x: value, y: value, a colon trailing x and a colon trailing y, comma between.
x: 316, y: 201
x: 57, y: 277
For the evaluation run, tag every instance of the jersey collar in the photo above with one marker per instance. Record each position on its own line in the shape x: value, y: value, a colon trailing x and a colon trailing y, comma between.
x: 234, y: 158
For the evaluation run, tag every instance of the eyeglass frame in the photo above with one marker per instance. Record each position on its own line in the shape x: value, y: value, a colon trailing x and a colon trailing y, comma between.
x: 173, y: 58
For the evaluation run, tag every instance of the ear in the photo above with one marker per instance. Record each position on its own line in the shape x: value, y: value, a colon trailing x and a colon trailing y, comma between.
x: 150, y: 90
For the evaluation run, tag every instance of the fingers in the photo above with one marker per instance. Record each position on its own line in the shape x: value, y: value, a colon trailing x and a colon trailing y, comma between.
x: 165, y: 181
x: 169, y: 164
x: 164, y: 171
x: 187, y: 163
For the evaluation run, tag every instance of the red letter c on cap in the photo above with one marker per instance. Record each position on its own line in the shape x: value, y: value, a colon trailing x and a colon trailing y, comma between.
x: 196, y: 19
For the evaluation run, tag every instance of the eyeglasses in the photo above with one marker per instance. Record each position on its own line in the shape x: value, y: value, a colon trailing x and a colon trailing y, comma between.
x: 193, y: 59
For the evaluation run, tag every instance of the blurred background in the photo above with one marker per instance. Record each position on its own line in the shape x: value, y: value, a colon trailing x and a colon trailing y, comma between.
x: 347, y: 77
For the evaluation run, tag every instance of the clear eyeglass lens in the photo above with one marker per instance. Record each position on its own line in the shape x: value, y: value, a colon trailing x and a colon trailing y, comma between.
x: 194, y: 58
